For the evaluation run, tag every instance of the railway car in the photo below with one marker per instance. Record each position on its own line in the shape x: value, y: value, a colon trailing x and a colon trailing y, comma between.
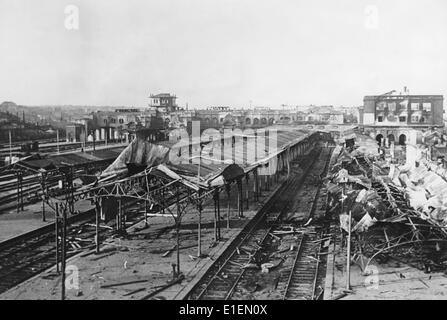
x: 29, y: 147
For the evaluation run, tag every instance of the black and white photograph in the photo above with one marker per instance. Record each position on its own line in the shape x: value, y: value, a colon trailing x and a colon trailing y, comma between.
x: 240, y: 151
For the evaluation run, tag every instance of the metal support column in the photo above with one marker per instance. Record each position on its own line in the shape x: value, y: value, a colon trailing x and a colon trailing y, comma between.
x: 56, y: 233
x: 97, y: 212
x: 228, y: 190
x: 218, y: 212
x: 177, y: 228
x: 199, y: 229
x: 247, y: 192
x: 63, y: 249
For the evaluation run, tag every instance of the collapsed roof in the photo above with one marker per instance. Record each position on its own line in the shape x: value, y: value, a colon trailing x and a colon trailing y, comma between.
x: 214, y: 166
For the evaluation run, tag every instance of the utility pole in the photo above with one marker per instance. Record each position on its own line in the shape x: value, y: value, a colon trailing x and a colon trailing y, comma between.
x: 63, y: 251
x: 228, y: 190
x: 177, y: 228
x: 56, y: 223
x: 348, y: 256
x: 85, y: 135
x: 97, y: 212
x: 199, y: 228
x: 94, y: 139
x: 43, y: 186
x: 10, y: 147
x: 57, y: 140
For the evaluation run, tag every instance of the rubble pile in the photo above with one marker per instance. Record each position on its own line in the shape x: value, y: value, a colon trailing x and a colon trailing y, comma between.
x: 396, y: 211
x: 350, y: 189
x: 425, y: 190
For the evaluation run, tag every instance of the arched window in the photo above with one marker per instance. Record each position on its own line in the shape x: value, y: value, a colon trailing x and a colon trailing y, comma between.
x: 402, y: 139
x: 247, y: 121
x: 379, y: 138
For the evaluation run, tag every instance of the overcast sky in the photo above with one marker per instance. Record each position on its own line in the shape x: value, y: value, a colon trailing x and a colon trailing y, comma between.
x: 221, y: 52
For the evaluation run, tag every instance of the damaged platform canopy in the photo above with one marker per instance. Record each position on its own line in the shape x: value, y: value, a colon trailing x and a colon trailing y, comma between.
x: 36, y: 162
x: 216, y: 165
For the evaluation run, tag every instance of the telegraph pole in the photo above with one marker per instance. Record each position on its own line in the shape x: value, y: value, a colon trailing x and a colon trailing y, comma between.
x: 348, y: 256
x: 57, y: 140
x: 85, y: 135
x: 10, y: 147
x: 56, y: 223
x: 63, y: 249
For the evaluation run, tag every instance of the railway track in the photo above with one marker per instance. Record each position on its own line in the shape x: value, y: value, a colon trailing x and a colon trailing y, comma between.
x: 296, y: 272
x: 303, y: 277
x: 27, y: 255
x: 50, y: 146
x: 31, y: 191
x: 31, y: 188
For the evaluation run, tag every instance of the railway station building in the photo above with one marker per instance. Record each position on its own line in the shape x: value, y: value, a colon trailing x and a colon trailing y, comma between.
x: 401, y: 118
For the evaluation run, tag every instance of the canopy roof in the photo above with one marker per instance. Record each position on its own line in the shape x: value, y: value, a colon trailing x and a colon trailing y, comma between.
x: 215, y: 166
x: 37, y: 162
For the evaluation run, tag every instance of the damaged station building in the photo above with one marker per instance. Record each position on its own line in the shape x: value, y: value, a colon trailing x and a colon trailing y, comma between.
x: 401, y: 118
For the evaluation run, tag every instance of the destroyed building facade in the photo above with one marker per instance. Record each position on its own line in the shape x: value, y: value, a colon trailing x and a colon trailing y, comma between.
x: 401, y: 118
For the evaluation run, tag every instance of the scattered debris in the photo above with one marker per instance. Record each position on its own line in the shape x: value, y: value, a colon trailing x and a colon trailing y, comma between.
x: 339, y: 296
x: 133, y: 292
x: 308, y: 222
x: 265, y: 267
x: 169, y: 284
x: 100, y: 256
x: 169, y: 251
x: 117, y: 284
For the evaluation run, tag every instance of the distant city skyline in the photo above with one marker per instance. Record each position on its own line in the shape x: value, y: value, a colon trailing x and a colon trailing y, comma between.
x: 111, y: 107
x: 226, y: 53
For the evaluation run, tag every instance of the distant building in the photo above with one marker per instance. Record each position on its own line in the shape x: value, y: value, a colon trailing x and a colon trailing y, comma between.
x: 163, y: 103
x: 123, y: 123
x: 321, y: 115
x: 401, y: 118
x: 259, y: 117
x: 219, y: 117
x: 75, y: 132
